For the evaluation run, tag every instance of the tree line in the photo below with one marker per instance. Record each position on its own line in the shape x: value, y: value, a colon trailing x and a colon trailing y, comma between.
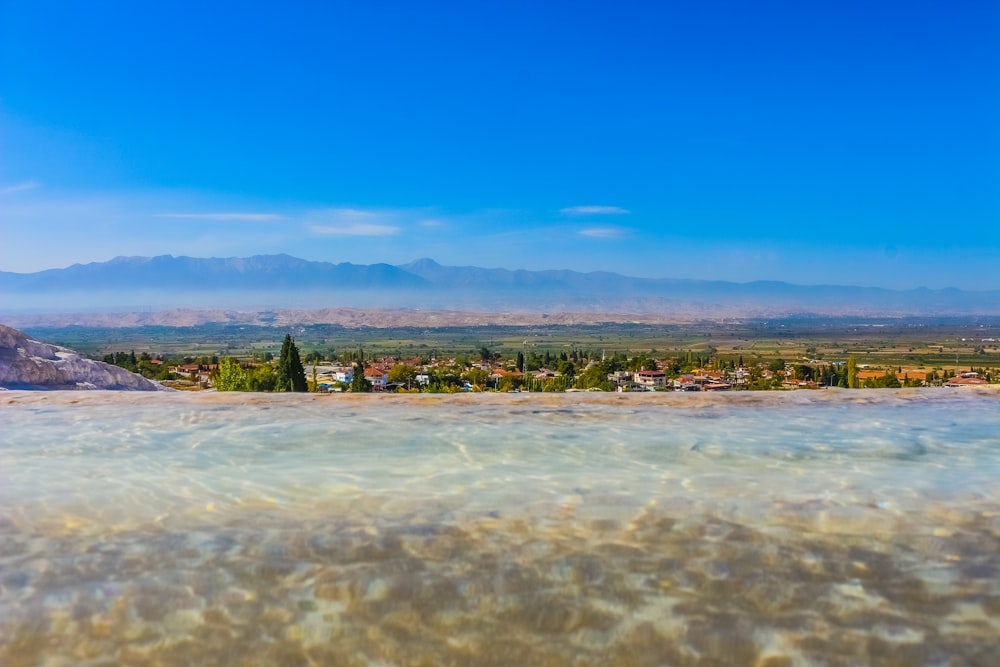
x: 287, y: 374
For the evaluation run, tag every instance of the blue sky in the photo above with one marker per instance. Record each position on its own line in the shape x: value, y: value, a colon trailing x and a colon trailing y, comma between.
x: 847, y: 143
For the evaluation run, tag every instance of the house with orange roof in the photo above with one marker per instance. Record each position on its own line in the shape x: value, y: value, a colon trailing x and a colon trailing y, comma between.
x: 966, y: 380
x: 377, y: 377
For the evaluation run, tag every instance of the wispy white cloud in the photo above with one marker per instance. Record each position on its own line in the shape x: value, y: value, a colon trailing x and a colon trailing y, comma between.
x: 352, y: 222
x: 594, y: 210
x: 224, y: 217
x: 354, y: 229
x: 432, y: 223
x: 351, y: 214
x: 18, y: 187
x: 603, y: 232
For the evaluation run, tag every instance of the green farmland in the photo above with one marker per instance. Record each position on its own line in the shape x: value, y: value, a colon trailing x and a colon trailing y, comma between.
x: 918, y: 343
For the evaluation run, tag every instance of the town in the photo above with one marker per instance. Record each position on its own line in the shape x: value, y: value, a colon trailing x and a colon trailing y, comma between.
x: 576, y: 370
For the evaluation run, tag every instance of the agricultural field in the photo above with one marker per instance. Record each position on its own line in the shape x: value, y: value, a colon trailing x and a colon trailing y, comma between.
x: 917, y: 343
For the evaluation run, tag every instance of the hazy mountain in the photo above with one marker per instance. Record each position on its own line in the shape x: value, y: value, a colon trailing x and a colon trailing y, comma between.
x: 601, y: 286
x: 270, y: 281
x: 187, y: 273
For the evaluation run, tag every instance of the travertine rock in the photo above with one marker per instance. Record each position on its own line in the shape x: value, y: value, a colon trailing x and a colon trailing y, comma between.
x: 29, y: 364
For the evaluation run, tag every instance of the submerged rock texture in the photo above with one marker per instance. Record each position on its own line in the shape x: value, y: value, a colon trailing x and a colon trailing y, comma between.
x: 29, y: 364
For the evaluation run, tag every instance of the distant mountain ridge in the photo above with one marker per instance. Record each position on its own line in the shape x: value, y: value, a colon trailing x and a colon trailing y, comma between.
x: 169, y: 272
x: 771, y: 292
x: 268, y: 280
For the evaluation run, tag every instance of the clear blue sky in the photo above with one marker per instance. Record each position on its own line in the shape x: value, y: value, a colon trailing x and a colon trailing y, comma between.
x: 837, y: 142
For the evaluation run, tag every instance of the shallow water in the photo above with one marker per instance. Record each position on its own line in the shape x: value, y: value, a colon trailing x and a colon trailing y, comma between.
x: 824, y: 528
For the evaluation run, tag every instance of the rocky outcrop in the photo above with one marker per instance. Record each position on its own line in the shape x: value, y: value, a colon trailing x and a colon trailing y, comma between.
x: 29, y: 364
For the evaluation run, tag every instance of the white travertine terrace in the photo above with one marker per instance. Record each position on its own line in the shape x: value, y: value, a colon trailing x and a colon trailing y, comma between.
x: 27, y: 363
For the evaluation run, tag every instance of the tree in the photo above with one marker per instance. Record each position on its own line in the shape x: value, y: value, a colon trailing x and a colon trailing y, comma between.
x: 231, y: 376
x: 520, y: 361
x: 262, y: 378
x: 597, y: 376
x: 641, y: 362
x: 561, y: 383
x: 163, y: 372
x: 359, y: 383
x: 291, y: 374
x: 403, y: 374
x: 889, y: 380
x: 477, y: 376
x: 852, y: 373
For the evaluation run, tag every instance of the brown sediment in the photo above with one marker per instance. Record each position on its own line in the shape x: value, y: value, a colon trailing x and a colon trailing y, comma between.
x: 702, y: 591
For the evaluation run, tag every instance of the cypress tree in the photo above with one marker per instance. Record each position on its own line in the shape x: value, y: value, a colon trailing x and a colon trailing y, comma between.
x: 291, y: 374
x: 297, y: 372
x: 284, y: 381
x: 852, y: 373
x: 359, y: 383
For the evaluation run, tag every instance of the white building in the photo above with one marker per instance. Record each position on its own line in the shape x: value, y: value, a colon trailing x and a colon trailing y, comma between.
x: 650, y: 379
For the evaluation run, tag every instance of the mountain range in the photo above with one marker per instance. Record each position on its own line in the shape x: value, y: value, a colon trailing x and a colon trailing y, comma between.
x: 270, y: 281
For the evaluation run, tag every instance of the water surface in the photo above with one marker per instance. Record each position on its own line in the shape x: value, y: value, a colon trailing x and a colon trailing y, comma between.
x: 825, y: 528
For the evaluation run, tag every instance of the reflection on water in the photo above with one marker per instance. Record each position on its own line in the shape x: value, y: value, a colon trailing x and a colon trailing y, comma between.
x: 826, y: 528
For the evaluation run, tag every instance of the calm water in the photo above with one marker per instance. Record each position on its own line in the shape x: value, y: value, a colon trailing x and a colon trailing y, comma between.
x: 824, y: 528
